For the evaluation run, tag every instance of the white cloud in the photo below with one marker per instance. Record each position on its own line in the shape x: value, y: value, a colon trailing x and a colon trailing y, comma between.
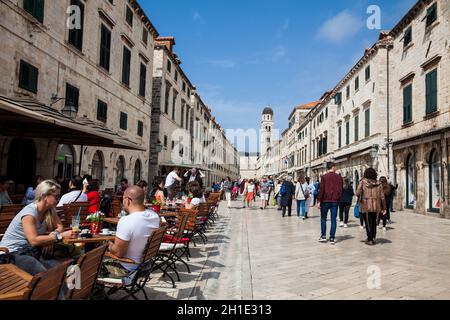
x: 226, y: 64
x: 197, y: 17
x: 283, y: 29
x: 341, y: 27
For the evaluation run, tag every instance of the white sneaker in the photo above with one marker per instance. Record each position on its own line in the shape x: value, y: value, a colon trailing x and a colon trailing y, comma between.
x: 362, y: 227
x: 345, y: 226
x: 384, y: 229
x: 341, y: 225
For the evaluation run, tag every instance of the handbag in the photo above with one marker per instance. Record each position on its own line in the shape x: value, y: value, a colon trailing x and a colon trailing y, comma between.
x: 306, y: 195
x: 357, y: 210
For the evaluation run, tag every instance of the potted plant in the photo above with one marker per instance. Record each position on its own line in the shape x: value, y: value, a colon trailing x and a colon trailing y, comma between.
x: 96, y: 221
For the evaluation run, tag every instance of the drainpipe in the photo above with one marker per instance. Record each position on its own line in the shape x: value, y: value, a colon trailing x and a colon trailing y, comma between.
x: 81, y: 159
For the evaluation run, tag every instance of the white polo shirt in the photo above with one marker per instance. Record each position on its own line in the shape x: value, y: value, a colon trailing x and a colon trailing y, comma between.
x: 171, y: 179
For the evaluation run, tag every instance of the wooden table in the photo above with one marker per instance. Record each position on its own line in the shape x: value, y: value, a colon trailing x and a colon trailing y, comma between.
x: 94, y: 239
x: 13, y: 282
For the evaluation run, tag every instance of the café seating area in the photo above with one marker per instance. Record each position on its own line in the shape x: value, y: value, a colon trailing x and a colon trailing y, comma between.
x: 78, y: 277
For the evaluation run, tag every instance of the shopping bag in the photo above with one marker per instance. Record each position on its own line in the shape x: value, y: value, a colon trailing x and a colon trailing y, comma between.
x: 357, y: 211
x: 274, y: 202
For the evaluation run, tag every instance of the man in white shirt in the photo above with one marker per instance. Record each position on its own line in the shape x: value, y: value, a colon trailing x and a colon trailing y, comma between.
x: 133, y: 232
x: 171, y: 180
x: 75, y: 194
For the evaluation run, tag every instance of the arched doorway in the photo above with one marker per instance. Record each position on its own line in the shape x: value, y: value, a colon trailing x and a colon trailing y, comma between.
x: 21, y: 166
x: 97, y: 167
x: 434, y: 182
x: 120, y: 169
x: 410, y: 181
x: 64, y: 162
x: 137, y: 171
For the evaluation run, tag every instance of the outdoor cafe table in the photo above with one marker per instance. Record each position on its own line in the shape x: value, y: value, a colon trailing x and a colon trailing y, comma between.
x: 13, y: 282
x: 112, y: 220
x: 94, y: 239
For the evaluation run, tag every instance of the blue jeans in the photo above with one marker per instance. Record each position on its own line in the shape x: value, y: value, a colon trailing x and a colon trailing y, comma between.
x: 301, y: 204
x: 333, y: 207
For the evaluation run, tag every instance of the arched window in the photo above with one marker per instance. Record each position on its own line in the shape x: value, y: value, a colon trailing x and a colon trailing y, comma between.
x: 97, y: 167
x: 435, y: 182
x: 410, y: 181
x: 120, y: 169
x: 137, y: 171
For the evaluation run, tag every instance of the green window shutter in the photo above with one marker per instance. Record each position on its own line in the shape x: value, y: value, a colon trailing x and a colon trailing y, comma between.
x: 39, y: 10
x: 28, y: 6
x: 367, y: 123
x: 347, y: 133
x: 407, y: 104
x: 143, y: 80
x: 105, y: 48
x: 431, y: 92
x: 126, y: 66
x: 340, y: 137
x: 356, y: 128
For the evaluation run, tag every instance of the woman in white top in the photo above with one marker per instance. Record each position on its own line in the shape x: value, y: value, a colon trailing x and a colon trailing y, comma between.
x: 251, y: 189
x: 301, y: 195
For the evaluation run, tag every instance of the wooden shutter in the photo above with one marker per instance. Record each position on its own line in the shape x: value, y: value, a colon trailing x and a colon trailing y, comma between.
x: 407, y: 104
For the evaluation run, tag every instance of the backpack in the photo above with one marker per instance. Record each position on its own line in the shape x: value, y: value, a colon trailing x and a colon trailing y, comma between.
x: 283, y: 190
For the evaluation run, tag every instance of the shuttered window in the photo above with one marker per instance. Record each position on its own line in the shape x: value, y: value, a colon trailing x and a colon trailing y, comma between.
x: 102, y: 111
x: 105, y: 47
x: 123, y: 121
x: 367, y: 123
x: 126, y: 64
x: 431, y: 92
x: 142, y: 80
x: 72, y: 96
x: 407, y: 104
x: 76, y: 35
x: 356, y: 128
x: 28, y: 77
x: 35, y: 8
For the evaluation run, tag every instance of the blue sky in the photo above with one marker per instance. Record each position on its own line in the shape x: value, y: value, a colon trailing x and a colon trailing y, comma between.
x: 245, y: 54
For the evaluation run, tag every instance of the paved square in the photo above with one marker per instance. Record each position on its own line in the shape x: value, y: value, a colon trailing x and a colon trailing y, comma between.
x: 254, y: 254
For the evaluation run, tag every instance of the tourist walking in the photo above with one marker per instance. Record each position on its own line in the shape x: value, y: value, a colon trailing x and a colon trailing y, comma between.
x: 330, y: 194
x: 346, y: 203
x: 316, y: 192
x: 301, y: 194
x: 372, y: 203
x: 388, y: 192
x: 272, y: 187
x: 287, y: 193
x: 264, y: 193
x: 228, y: 188
x: 250, y: 193
x: 311, y: 190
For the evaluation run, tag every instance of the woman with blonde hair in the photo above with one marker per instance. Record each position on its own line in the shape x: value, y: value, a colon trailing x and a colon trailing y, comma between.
x: 36, y: 228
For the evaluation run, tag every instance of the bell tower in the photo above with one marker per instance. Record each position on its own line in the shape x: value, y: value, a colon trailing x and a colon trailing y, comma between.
x: 266, y: 130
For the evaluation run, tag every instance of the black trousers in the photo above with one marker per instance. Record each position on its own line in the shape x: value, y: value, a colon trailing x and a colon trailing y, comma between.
x: 316, y: 196
x: 385, y: 218
x: 344, y: 210
x: 371, y: 225
x: 289, y: 207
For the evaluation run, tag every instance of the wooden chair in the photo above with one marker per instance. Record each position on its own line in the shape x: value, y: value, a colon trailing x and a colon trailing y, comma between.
x: 7, y: 214
x: 89, y: 265
x: 116, y: 205
x: 168, y: 256
x: 71, y: 210
x: 47, y: 285
x: 143, y: 271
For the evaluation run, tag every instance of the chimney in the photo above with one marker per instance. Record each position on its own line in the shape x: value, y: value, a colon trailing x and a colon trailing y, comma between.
x: 169, y: 42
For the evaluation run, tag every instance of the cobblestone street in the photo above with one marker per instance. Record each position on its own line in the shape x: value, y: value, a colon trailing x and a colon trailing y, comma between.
x: 253, y: 254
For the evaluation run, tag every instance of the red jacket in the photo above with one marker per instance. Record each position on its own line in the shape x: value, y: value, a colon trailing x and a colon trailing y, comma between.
x: 330, y: 189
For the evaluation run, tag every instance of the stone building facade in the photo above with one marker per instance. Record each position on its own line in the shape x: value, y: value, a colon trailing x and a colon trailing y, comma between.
x: 390, y: 112
x: 420, y: 95
x: 75, y: 71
